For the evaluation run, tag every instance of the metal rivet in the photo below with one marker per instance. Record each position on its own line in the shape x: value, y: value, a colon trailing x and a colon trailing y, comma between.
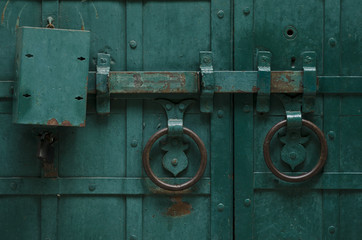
x: 134, y: 143
x: 92, y: 188
x: 181, y: 107
x: 13, y: 185
x: 133, y: 44
x: 133, y: 237
x: 332, y: 229
x: 207, y: 59
x: 332, y: 42
x: 247, y: 202
x: 292, y: 155
x: 331, y: 135
x: 307, y: 59
x: 246, y: 108
x: 246, y: 11
x: 103, y: 60
x: 220, y: 207
x: 220, y: 14
x: 174, y: 162
x: 220, y: 113
x: 168, y: 107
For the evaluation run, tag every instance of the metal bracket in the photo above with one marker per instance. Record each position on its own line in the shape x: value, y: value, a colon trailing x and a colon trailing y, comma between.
x: 293, y: 152
x: 263, y: 81
x: 309, y: 81
x: 175, y: 160
x: 207, y: 82
x: 102, y: 83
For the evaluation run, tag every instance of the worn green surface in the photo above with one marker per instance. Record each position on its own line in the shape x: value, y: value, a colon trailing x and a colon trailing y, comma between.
x: 98, y: 188
x: 51, y: 81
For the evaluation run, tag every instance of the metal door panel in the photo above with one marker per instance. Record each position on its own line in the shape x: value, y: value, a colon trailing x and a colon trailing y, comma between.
x: 21, y: 216
x: 106, y: 22
x: 13, y: 15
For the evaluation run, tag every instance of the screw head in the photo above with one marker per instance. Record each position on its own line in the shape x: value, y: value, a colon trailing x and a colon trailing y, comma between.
x: 246, y: 11
x: 331, y: 135
x: 247, y: 202
x: 133, y: 44
x: 174, y: 162
x: 220, y: 14
x: 332, y: 229
x: 220, y: 207
x: 332, y: 42
x: 134, y: 143
x: 92, y: 187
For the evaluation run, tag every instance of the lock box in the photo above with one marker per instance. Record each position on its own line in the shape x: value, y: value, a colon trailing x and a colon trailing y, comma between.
x: 51, y: 76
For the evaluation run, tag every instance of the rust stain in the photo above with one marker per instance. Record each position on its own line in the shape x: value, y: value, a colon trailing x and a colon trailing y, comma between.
x: 3, y: 14
x: 255, y: 89
x: 231, y: 176
x: 218, y: 88
x: 163, y: 191
x: 66, y: 123
x: 50, y: 171
x: 137, y: 80
x: 82, y: 124
x: 179, y: 208
x: 286, y: 82
x: 53, y: 122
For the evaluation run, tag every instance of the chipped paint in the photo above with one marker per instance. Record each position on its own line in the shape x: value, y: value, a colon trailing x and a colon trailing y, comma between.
x: 179, y: 208
x: 285, y: 82
x: 81, y: 19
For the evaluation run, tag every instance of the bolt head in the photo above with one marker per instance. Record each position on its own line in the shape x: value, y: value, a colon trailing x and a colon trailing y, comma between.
x: 92, y: 188
x: 220, y: 14
x: 247, y: 202
x: 133, y: 44
x: 332, y: 42
x: 246, y: 11
x: 220, y: 207
x: 134, y: 143
x: 220, y: 113
x: 332, y: 229
x: 174, y: 162
x: 13, y: 185
x: 331, y: 135
x: 103, y: 60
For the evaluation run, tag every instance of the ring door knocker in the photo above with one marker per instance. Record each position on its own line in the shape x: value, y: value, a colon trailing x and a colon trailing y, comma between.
x: 176, y: 109
x: 288, y: 104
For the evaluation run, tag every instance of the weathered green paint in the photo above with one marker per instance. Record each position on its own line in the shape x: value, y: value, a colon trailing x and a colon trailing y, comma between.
x: 51, y: 81
x: 97, y: 188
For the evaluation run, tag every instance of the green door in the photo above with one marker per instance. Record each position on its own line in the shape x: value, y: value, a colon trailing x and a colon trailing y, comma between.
x: 329, y: 204
x: 95, y: 186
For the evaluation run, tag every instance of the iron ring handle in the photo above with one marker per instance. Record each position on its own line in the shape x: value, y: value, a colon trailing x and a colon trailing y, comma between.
x: 155, y: 179
x: 303, y: 177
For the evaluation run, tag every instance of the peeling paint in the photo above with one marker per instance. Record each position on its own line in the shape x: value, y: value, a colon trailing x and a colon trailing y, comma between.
x: 66, y: 123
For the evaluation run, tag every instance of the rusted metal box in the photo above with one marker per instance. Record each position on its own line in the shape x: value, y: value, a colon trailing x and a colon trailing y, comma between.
x: 51, y: 76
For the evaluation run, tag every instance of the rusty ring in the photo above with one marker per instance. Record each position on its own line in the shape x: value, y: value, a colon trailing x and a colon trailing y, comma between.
x: 155, y: 179
x: 303, y: 177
